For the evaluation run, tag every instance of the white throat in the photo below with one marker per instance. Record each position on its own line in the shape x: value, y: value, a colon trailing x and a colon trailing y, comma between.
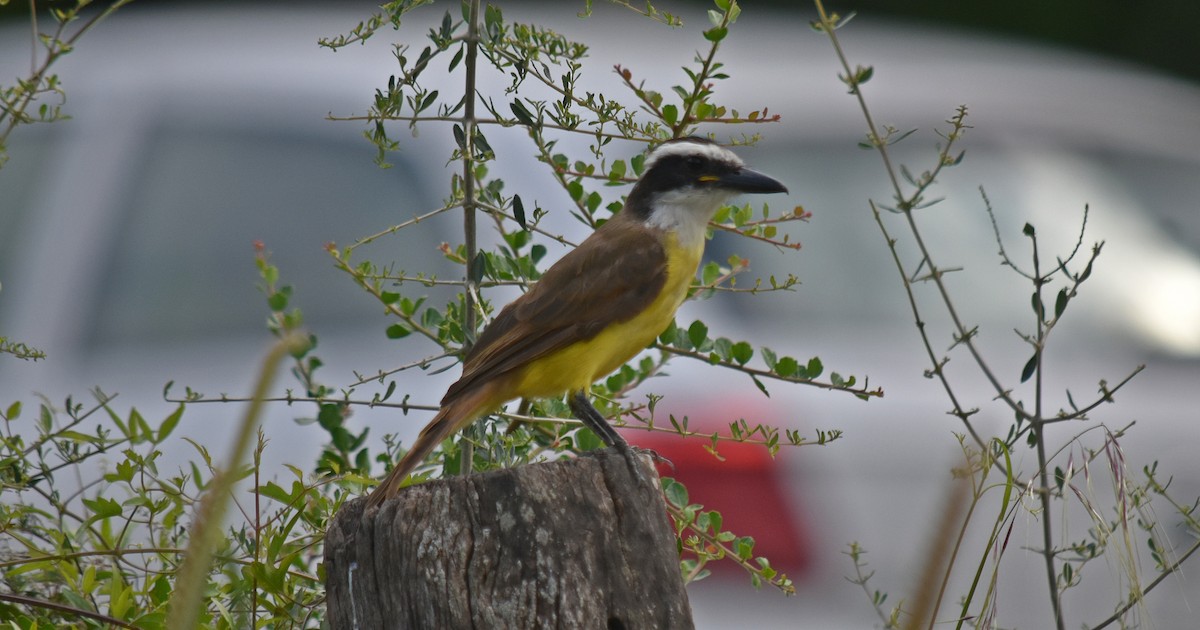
x: 686, y: 213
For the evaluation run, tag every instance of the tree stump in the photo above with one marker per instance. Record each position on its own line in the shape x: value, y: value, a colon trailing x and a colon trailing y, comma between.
x: 577, y: 543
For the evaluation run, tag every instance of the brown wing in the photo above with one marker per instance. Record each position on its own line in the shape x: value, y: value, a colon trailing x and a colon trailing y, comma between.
x: 610, y: 277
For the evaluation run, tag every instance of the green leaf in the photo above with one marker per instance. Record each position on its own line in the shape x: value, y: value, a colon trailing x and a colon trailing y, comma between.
x: 160, y: 592
x: 119, y: 596
x: 78, y: 437
x: 769, y: 358
x: 481, y: 144
x: 1030, y: 368
x: 744, y: 547
x: 715, y: 521
x: 168, y: 425
x: 761, y: 387
x: 675, y: 492
x: 787, y: 366
x: 670, y: 114
x: 735, y: 10
x: 460, y: 138
x: 671, y: 335
x: 638, y: 163
x: 46, y: 420
x: 742, y: 352
x: 522, y: 114
x: 428, y: 100
x: 398, y: 331
x: 493, y: 22
x: 519, y: 212
x: 274, y: 491
x: 477, y: 267
x: 575, y: 190
x: 138, y: 427
x: 277, y: 301
x: 814, y: 368
x: 588, y: 441
x: 716, y: 34
x: 617, y: 171
x: 697, y: 334
x: 102, y: 507
x: 329, y: 417
x: 124, y: 472
x: 1060, y: 303
x: 341, y: 438
x: 743, y: 215
x: 14, y: 410
x: 516, y: 240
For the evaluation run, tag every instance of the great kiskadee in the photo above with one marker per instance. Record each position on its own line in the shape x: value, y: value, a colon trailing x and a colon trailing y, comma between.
x: 599, y: 305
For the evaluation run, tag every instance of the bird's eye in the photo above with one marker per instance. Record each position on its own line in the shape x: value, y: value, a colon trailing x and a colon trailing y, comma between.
x: 694, y: 162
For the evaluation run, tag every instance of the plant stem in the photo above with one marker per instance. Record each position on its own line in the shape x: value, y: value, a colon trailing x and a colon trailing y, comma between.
x: 184, y: 607
x: 1039, y: 432
x: 469, y: 214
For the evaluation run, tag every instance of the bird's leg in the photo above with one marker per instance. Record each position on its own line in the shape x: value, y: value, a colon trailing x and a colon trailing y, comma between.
x: 591, y: 418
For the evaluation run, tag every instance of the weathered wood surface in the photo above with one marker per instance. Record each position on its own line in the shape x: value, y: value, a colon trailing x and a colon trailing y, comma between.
x: 570, y: 544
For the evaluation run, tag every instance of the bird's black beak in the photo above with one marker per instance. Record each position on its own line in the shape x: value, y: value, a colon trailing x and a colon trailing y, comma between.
x: 748, y: 181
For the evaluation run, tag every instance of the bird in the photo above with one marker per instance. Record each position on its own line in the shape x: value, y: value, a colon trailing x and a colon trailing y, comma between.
x: 600, y: 304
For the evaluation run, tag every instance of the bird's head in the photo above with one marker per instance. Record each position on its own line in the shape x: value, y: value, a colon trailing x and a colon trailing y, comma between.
x: 685, y: 181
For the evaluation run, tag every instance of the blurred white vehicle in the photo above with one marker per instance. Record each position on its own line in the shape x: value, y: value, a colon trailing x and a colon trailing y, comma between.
x: 126, y: 232
x: 129, y: 253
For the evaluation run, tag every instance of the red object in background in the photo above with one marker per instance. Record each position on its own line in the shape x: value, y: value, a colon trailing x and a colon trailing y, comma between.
x: 746, y: 488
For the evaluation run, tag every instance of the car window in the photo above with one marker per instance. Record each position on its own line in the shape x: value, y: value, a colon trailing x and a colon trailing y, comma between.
x: 1147, y: 281
x: 183, y: 264
x: 1168, y: 187
x: 843, y: 264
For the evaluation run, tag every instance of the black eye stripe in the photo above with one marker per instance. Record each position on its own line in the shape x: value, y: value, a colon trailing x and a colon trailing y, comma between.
x: 675, y: 172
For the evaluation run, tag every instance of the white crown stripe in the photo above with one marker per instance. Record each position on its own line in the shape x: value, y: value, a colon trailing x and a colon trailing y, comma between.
x: 705, y: 150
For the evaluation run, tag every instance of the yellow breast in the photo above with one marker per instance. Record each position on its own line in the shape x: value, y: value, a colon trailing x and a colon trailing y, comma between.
x: 577, y: 366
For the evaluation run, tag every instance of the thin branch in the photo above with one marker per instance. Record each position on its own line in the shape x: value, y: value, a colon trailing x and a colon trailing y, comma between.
x: 41, y: 603
x: 861, y: 391
x: 959, y: 411
x: 382, y: 374
x: 400, y: 226
x: 289, y: 399
x: 1133, y: 601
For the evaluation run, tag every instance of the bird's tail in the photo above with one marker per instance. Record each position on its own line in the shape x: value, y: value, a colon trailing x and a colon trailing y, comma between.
x: 450, y: 418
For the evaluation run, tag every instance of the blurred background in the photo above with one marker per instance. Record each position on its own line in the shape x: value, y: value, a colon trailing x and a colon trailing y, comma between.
x: 126, y: 246
x: 1160, y: 38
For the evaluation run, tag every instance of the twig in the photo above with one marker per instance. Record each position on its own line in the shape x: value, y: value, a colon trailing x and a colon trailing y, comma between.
x: 41, y: 603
